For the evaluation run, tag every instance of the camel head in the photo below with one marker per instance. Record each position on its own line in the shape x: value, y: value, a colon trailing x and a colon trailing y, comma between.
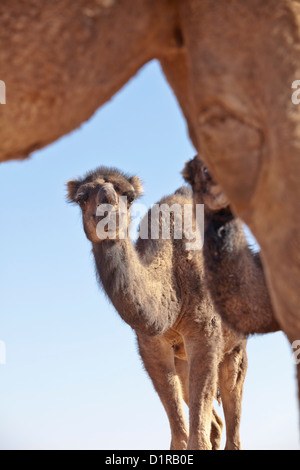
x: 105, y: 197
x: 206, y: 190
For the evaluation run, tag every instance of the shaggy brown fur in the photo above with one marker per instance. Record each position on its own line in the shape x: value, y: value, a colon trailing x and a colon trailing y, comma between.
x: 157, y: 286
x: 233, y: 273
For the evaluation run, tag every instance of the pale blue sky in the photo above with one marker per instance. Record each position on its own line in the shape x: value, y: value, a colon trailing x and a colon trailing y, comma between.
x: 73, y: 378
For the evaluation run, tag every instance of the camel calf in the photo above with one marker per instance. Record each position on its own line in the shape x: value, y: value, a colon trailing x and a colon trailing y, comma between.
x: 234, y: 274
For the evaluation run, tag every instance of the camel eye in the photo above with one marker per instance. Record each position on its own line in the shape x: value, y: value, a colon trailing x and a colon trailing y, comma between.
x: 81, y: 199
x: 206, y: 173
x: 130, y: 196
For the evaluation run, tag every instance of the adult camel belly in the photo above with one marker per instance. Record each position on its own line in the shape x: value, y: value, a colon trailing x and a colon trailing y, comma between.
x: 61, y: 60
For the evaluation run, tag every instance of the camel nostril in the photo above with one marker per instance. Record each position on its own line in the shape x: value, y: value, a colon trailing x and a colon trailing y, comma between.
x: 103, y: 200
x: 107, y: 195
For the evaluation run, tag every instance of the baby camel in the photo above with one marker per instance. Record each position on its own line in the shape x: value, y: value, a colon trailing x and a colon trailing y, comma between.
x: 157, y: 287
x: 233, y: 272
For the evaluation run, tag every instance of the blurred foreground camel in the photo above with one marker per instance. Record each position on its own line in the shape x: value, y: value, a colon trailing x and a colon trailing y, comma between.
x: 231, y: 65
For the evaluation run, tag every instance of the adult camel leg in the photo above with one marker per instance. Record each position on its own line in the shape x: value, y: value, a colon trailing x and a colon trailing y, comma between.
x: 232, y: 373
x: 158, y: 359
x: 182, y: 369
x: 242, y: 59
x: 203, y: 364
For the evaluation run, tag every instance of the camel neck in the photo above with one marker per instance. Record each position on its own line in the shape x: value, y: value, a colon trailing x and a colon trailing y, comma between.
x: 236, y: 279
x: 218, y: 219
x: 131, y: 287
x: 224, y: 234
x: 113, y: 259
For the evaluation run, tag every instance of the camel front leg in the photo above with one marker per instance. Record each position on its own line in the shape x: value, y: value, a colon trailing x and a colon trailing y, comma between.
x: 232, y: 373
x: 203, y: 363
x: 158, y: 359
x: 182, y: 369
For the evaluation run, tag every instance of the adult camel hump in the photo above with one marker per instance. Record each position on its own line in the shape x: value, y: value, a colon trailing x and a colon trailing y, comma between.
x: 231, y: 65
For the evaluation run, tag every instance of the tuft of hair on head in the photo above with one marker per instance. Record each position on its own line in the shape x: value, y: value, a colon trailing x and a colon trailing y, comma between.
x: 72, y: 188
x: 104, y: 172
x: 135, y: 181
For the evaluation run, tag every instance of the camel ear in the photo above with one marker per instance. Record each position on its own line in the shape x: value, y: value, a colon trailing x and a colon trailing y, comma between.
x: 188, y: 172
x: 138, y: 186
x: 72, y: 188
